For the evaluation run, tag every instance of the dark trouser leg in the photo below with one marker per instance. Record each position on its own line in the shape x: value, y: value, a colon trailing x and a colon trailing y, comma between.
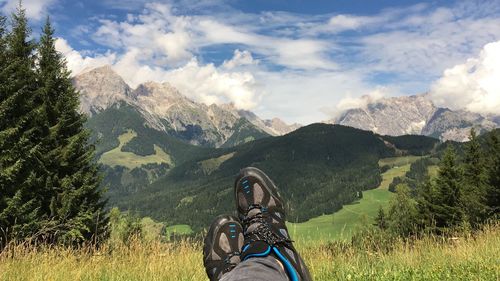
x: 257, y: 269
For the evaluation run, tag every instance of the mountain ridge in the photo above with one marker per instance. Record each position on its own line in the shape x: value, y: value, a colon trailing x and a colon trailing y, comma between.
x: 166, y: 109
x: 415, y: 114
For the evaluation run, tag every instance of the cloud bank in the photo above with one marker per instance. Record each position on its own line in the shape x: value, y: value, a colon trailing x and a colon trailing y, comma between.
x: 473, y: 85
x: 303, y: 68
x: 35, y: 9
x: 204, y: 83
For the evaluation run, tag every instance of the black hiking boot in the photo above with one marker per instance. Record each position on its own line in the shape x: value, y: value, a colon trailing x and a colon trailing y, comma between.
x: 261, y: 211
x: 221, y: 251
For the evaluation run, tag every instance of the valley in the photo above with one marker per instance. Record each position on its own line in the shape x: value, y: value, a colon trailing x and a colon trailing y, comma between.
x: 176, y: 164
x: 342, y: 224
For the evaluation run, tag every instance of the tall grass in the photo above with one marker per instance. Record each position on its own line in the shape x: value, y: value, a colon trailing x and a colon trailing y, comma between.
x: 469, y: 257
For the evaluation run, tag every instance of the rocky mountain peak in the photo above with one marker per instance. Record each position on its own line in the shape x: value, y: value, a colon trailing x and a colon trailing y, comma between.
x: 164, y: 108
x: 414, y: 115
x: 280, y: 127
x: 390, y: 116
x: 100, y: 88
x: 160, y: 98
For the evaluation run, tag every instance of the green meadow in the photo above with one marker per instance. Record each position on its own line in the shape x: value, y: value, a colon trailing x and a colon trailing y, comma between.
x: 463, y: 258
x: 117, y: 157
x: 322, y: 241
x: 343, y: 224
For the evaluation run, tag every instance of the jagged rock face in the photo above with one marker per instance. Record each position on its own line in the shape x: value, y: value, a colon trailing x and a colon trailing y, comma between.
x: 415, y: 115
x: 456, y: 125
x: 391, y: 116
x: 99, y: 89
x: 274, y: 127
x: 197, y: 123
x: 164, y: 108
x: 280, y: 127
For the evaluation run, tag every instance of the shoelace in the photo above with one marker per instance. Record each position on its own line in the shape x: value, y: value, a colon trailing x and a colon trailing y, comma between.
x: 228, y: 264
x: 263, y: 232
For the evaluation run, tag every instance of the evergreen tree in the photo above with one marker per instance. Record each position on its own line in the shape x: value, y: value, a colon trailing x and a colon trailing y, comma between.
x: 447, y: 207
x: 3, y: 61
x: 22, y: 173
x: 402, y: 212
x: 381, y: 220
x: 426, y: 205
x: 493, y: 193
x: 475, y: 183
x: 75, y: 203
x: 3, y: 96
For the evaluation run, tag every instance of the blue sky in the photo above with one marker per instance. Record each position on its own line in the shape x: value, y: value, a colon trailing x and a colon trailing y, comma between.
x: 303, y: 61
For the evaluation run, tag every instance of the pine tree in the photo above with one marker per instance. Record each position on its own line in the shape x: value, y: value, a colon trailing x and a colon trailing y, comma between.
x: 493, y: 193
x: 381, y: 220
x: 426, y: 203
x: 3, y: 61
x: 447, y: 207
x: 475, y: 183
x: 22, y: 173
x: 402, y: 212
x: 3, y: 96
x: 75, y: 204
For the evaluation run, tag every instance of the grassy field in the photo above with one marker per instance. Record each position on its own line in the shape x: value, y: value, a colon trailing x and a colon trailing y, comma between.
x: 342, y: 224
x: 117, y: 157
x: 398, y: 161
x: 467, y: 258
x: 210, y: 165
x: 181, y: 229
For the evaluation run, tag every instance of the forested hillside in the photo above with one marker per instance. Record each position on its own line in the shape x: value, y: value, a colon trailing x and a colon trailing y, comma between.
x: 318, y: 169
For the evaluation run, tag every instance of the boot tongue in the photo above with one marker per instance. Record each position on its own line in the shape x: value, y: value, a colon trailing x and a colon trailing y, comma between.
x: 234, y: 259
x: 251, y: 214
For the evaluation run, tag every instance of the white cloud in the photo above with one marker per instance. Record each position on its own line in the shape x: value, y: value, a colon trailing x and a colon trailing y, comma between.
x: 291, y: 53
x: 35, y: 9
x: 361, y: 102
x: 345, y: 22
x: 351, y: 101
x: 306, y: 97
x: 77, y: 63
x: 171, y: 40
x: 420, y: 45
x: 240, y: 58
x: 161, y: 38
x: 203, y: 83
x: 209, y: 84
x: 474, y: 85
x: 306, y: 66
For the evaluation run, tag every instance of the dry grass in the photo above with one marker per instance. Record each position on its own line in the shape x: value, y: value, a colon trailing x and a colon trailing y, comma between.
x: 467, y: 258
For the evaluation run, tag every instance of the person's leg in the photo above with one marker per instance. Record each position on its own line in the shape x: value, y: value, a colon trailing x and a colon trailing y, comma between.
x: 261, y: 211
x: 268, y: 253
x: 257, y: 269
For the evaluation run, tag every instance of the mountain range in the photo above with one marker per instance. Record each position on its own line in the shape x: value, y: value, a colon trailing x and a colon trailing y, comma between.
x: 174, y: 159
x: 163, y: 108
x: 416, y: 115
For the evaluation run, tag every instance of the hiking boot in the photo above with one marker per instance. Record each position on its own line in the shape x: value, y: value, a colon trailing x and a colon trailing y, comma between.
x: 261, y: 211
x: 221, y: 251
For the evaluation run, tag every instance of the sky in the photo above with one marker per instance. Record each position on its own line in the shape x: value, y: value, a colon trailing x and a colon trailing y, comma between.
x: 301, y: 60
